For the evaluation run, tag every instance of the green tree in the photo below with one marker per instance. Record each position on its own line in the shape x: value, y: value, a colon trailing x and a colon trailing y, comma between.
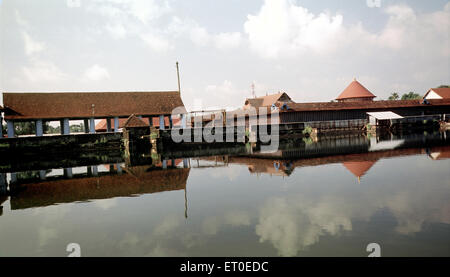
x: 25, y: 128
x: 444, y: 86
x: 411, y: 96
x: 394, y: 96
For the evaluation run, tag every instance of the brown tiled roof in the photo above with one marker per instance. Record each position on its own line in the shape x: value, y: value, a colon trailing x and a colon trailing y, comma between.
x: 355, y: 90
x: 265, y: 101
x: 442, y: 92
x: 134, y: 122
x: 87, y: 104
x: 368, y: 105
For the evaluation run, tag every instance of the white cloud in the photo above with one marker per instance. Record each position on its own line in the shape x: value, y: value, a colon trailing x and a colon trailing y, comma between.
x: 73, y: 3
x: 116, y: 30
x: 96, y: 73
x: 43, y: 71
x: 32, y: 46
x: 156, y: 43
x: 228, y: 40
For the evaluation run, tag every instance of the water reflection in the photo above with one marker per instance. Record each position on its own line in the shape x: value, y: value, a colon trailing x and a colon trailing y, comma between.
x: 328, y: 198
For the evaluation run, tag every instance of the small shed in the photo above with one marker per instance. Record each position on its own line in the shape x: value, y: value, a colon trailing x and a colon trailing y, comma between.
x: 135, y: 128
x: 382, y: 118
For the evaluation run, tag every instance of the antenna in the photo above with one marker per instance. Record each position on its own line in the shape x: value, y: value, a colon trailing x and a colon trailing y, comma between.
x: 178, y: 77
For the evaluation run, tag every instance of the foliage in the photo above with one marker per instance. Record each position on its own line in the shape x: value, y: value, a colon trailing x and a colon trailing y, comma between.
x: 444, y: 86
x: 308, y: 130
x: 411, y: 96
x: 394, y: 96
x: 24, y: 128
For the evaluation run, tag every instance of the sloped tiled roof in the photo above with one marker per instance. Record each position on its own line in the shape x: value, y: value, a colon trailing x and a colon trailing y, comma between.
x: 134, y: 122
x: 442, y: 92
x: 89, y: 104
x: 359, y: 168
x: 355, y: 90
x: 265, y: 101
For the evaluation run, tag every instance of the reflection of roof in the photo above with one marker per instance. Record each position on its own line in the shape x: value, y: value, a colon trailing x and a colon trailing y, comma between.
x: 89, y: 104
x: 355, y: 90
x: 440, y: 153
x: 134, y: 122
x: 359, y: 168
x: 139, y: 180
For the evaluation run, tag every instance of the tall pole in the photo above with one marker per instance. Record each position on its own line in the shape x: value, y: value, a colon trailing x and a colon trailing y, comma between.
x: 178, y: 77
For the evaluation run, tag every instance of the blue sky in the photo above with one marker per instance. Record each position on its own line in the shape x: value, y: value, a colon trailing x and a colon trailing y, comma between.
x: 309, y: 49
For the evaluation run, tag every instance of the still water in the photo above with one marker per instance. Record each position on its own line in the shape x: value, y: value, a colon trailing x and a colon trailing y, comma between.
x: 393, y: 192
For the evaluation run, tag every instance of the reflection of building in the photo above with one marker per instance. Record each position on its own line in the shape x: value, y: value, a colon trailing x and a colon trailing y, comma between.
x: 439, y: 153
x: 137, y: 180
x: 359, y: 168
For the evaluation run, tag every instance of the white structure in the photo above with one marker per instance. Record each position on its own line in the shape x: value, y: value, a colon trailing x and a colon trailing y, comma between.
x: 437, y: 93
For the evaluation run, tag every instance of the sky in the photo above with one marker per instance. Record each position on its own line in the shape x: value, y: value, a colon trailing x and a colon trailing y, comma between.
x: 309, y: 49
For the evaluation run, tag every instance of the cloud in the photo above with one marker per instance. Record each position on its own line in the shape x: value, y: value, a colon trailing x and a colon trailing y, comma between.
x: 73, y: 3
x: 96, y: 73
x: 155, y: 42
x: 31, y: 46
x: 228, y: 40
x: 43, y: 71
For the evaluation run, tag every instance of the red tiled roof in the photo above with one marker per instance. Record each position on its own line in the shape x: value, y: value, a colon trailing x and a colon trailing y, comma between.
x: 355, y: 90
x: 265, y: 101
x: 442, y: 92
x: 89, y: 104
x: 134, y: 122
x: 369, y: 105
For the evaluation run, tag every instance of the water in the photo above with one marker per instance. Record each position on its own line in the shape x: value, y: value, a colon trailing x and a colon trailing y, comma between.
x: 394, y: 192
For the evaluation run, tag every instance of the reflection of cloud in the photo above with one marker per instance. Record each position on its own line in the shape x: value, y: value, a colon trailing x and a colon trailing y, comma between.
x: 212, y: 224
x: 45, y: 234
x: 168, y: 224
x: 106, y: 204
x: 291, y: 226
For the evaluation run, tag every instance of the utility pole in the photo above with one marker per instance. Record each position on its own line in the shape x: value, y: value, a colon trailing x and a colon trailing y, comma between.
x: 178, y: 77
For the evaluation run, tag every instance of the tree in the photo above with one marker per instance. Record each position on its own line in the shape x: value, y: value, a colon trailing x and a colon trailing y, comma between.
x: 411, y: 96
x: 444, y: 86
x: 25, y: 128
x: 394, y: 96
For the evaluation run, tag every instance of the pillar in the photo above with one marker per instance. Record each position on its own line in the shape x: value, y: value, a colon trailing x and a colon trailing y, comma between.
x: 185, y: 163
x: 42, y: 174
x: 86, y: 126
x: 119, y: 168
x: 64, y: 126
x: 164, y: 164
x: 3, y: 185
x: 39, y: 128
x: 95, y: 170
x: 170, y: 122
x: 183, y: 120
x: 13, y: 178
x: 10, y: 128
x: 1, y: 126
x: 108, y: 125
x: 150, y: 121
x: 91, y: 125
x: 161, y: 122
x: 116, y: 124
x: 68, y: 172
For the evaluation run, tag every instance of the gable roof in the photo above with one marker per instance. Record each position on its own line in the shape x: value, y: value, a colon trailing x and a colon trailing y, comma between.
x: 355, y: 90
x: 266, y: 101
x: 134, y: 122
x: 78, y: 105
x: 442, y: 92
x: 359, y: 168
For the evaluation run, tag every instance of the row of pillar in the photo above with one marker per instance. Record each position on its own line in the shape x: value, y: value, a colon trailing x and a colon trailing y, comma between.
x: 89, y: 125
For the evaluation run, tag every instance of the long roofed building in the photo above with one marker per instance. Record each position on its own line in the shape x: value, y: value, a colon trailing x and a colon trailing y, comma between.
x: 89, y: 106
